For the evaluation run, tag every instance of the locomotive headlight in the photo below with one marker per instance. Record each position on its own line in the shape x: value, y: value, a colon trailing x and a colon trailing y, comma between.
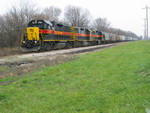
x: 35, y: 41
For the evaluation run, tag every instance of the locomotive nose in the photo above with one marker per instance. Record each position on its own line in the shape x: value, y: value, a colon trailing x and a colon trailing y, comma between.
x: 33, y: 33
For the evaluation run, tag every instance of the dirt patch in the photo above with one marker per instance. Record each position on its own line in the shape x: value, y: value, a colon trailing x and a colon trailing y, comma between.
x: 21, y: 67
x: 19, y: 63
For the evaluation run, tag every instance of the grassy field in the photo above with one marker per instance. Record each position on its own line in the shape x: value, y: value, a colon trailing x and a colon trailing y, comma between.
x: 114, y: 80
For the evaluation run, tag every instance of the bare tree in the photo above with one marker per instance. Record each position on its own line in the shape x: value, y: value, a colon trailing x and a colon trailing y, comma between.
x: 2, y: 33
x: 27, y: 11
x: 14, y: 21
x: 101, y: 24
x: 77, y: 16
x: 52, y: 13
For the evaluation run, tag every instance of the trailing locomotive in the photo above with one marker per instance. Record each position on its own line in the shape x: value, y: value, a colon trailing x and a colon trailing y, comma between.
x: 46, y: 35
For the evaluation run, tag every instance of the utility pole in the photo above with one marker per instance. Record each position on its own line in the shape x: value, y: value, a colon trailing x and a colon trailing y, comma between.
x: 145, y: 27
x: 146, y: 21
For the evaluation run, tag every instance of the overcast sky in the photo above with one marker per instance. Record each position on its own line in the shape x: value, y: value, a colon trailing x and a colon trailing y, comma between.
x: 127, y: 15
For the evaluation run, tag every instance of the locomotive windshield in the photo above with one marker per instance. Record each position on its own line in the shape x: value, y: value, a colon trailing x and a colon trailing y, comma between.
x: 41, y: 24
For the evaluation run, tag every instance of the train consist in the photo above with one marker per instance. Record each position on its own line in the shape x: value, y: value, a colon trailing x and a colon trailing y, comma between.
x: 46, y: 35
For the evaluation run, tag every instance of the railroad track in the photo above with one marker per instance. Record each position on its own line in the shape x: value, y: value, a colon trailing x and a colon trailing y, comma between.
x: 67, y: 51
x: 32, y: 55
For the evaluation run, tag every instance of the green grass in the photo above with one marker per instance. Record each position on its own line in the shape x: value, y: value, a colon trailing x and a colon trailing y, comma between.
x: 114, y: 80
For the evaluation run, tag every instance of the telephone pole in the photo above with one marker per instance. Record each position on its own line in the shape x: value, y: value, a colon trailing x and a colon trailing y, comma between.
x: 145, y: 27
x: 146, y: 21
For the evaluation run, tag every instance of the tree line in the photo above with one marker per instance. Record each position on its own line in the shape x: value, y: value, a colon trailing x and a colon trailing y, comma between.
x: 15, y: 20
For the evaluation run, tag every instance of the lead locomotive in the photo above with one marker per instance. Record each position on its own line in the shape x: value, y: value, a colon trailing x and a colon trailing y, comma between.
x: 46, y: 35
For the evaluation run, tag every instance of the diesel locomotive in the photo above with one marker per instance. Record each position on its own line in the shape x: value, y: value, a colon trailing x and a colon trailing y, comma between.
x: 48, y: 35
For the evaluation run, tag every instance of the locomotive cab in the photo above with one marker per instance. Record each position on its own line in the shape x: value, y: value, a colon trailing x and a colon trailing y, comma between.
x: 34, y: 28
x: 32, y: 38
x: 42, y: 24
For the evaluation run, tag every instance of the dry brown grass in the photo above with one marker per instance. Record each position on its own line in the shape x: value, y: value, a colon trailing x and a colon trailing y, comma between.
x: 9, y: 51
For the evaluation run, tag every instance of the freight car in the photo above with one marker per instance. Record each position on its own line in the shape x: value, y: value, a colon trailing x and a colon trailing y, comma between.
x: 46, y: 35
x: 111, y: 38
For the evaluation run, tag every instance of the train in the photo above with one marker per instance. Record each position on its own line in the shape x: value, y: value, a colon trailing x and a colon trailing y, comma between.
x: 48, y: 35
